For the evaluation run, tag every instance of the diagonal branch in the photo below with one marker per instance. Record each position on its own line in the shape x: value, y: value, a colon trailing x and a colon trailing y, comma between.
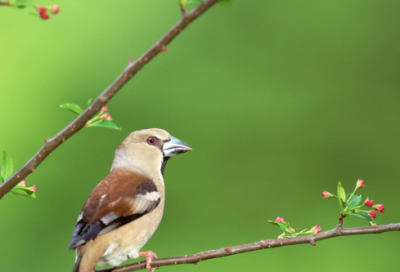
x: 103, y: 98
x: 263, y: 244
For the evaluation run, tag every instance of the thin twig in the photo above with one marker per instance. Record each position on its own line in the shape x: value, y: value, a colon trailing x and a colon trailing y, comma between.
x: 105, y: 96
x: 263, y: 244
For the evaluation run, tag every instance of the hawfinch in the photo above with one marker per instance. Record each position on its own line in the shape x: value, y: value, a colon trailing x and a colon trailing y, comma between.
x: 125, y: 208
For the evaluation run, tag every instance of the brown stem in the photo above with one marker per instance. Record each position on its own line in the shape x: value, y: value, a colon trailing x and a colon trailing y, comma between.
x: 340, y: 224
x: 105, y: 96
x: 263, y: 244
x: 4, y: 3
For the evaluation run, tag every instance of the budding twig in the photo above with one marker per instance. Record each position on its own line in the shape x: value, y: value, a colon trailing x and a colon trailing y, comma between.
x: 263, y: 244
x: 103, y: 98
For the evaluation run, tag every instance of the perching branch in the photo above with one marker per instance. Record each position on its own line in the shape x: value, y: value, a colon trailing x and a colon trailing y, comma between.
x: 263, y: 244
x: 103, y: 98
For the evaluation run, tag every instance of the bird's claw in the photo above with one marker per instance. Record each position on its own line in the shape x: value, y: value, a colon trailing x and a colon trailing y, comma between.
x: 149, y: 256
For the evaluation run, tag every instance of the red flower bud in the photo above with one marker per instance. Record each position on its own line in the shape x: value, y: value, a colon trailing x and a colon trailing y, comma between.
x: 316, y: 229
x: 379, y: 208
x: 34, y: 188
x: 104, y: 108
x: 22, y: 183
x: 55, y: 9
x: 372, y: 213
x: 279, y: 219
x: 369, y: 203
x: 107, y: 117
x: 41, y: 10
x: 44, y: 16
x: 326, y: 194
x: 360, y: 183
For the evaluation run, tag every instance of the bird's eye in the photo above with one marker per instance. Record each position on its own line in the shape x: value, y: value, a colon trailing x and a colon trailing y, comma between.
x: 151, y: 141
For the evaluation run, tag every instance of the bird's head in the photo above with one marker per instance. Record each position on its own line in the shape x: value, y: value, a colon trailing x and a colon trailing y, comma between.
x: 148, y: 150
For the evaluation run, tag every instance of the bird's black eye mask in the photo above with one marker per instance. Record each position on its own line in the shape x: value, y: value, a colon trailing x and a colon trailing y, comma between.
x: 163, y: 164
x: 157, y: 142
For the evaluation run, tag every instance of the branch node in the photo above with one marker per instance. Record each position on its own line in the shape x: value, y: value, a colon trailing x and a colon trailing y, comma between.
x: 227, y: 249
x: 312, y: 241
x: 33, y: 170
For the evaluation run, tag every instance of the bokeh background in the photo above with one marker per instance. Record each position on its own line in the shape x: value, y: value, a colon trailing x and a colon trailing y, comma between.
x: 280, y: 100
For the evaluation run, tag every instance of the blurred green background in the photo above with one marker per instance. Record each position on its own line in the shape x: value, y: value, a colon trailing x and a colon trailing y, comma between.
x: 279, y: 99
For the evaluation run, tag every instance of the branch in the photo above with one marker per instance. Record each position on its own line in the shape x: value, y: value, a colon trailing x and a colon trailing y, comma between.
x: 103, y: 98
x: 263, y: 244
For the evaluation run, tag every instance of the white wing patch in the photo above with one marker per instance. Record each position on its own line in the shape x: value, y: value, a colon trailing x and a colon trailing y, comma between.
x: 142, y: 202
x: 153, y: 196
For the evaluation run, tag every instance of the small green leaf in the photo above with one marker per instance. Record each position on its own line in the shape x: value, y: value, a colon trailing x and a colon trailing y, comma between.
x: 283, y: 226
x: 273, y: 222
x: 7, y: 167
x: 363, y: 216
x: 225, y: 2
x: 106, y: 124
x: 72, y: 107
x: 23, y: 191
x: 90, y: 101
x: 354, y: 201
x: 341, y: 196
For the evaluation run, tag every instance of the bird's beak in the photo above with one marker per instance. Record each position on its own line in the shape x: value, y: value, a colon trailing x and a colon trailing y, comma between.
x: 174, y: 147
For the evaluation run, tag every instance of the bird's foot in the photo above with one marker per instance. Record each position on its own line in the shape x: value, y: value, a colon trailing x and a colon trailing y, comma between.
x: 149, y: 255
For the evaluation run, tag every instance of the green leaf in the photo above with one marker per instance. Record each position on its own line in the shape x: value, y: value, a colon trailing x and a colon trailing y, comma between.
x: 354, y: 201
x: 7, y: 167
x: 72, y: 107
x: 273, y: 222
x: 23, y: 191
x: 363, y: 216
x: 225, y: 2
x: 341, y: 196
x: 106, y: 124
x: 90, y: 101
x: 283, y: 226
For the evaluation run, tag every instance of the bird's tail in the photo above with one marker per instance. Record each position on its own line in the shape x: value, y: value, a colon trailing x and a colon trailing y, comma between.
x: 77, y: 264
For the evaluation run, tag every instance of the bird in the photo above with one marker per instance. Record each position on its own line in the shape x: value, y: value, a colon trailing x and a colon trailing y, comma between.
x: 125, y: 208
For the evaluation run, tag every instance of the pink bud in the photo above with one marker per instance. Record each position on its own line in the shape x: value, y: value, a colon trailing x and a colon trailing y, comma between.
x: 326, y: 194
x: 44, y: 16
x: 360, y: 183
x: 104, y: 108
x: 316, y: 229
x: 107, y: 117
x: 379, y: 208
x: 55, y: 9
x: 375, y: 224
x: 369, y: 203
x: 279, y: 219
x: 41, y: 10
x: 372, y: 213
x: 22, y: 183
x: 34, y: 189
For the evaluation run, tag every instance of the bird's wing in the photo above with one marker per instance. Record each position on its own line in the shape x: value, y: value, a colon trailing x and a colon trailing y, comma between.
x: 121, y: 197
